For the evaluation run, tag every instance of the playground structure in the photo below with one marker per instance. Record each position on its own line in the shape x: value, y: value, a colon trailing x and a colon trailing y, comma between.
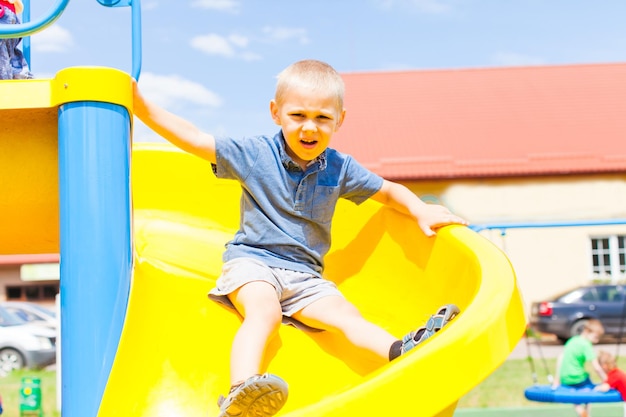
x: 140, y: 246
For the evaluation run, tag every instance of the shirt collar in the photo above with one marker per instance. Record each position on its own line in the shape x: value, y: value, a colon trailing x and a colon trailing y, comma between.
x: 290, y: 164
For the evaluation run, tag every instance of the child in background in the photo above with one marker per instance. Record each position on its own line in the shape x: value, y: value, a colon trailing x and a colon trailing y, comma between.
x: 570, y: 369
x: 13, y: 65
x: 615, y: 377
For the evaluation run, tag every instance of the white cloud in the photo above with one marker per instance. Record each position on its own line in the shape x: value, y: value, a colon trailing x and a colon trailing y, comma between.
x: 149, y: 5
x: 54, y: 39
x: 171, y: 91
x: 280, y: 34
x: 424, y: 6
x: 233, y: 46
x: 231, y: 6
x: 237, y: 46
x: 513, y: 59
x: 213, y: 44
x: 239, y: 40
x: 250, y: 56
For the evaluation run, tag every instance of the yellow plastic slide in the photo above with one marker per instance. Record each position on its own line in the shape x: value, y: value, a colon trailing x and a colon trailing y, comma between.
x: 172, y: 359
x: 173, y: 355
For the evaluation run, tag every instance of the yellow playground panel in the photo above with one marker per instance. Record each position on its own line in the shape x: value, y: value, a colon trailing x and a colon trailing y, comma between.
x: 172, y: 358
x: 175, y: 346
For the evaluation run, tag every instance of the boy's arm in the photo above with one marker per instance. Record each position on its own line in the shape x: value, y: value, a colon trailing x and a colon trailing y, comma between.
x: 429, y: 216
x: 557, y: 374
x: 603, y: 387
x: 598, y: 369
x: 175, y: 129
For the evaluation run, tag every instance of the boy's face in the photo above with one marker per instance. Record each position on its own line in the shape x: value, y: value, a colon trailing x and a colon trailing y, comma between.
x: 308, y: 121
x: 594, y: 336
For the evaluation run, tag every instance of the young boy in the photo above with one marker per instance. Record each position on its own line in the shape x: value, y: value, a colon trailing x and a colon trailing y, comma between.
x: 578, y: 351
x: 13, y: 65
x: 273, y: 266
x: 615, y: 377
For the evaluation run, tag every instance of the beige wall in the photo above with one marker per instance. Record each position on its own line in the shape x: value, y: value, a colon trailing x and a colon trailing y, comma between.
x: 546, y: 260
x: 9, y: 275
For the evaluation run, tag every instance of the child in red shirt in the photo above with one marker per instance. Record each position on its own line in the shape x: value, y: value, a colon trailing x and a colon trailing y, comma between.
x: 615, y: 377
x: 13, y: 66
x: 15, y: 6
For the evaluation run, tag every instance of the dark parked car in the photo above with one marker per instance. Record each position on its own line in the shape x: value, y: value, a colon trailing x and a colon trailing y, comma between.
x: 566, y: 314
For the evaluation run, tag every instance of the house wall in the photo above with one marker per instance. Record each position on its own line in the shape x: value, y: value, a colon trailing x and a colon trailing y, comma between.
x: 9, y: 275
x: 546, y: 260
x: 13, y: 287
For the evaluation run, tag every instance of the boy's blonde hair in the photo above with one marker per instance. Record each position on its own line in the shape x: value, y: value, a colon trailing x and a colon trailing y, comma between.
x: 606, y: 359
x: 316, y: 76
x: 595, y: 326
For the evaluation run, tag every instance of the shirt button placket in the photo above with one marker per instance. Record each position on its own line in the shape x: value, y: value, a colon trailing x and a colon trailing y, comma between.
x: 301, y: 195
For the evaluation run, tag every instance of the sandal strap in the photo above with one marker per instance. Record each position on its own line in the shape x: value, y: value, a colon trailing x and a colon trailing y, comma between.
x: 435, y: 323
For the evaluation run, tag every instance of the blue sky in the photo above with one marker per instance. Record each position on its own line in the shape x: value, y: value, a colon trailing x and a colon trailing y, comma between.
x: 214, y: 62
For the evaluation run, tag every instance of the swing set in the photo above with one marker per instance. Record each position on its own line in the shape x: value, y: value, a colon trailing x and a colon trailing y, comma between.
x: 548, y: 393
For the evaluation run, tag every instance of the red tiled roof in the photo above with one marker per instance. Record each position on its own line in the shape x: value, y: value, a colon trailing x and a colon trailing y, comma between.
x: 494, y: 122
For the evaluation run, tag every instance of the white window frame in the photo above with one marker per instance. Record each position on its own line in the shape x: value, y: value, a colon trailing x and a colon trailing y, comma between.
x: 617, y: 268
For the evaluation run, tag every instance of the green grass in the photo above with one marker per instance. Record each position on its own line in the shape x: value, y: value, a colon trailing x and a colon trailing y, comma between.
x: 10, y: 390
x: 505, y: 387
x: 547, y: 410
x: 502, y: 391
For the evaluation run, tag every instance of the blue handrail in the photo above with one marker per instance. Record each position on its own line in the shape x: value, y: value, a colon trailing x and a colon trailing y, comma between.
x: 29, y: 28
x: 135, y: 6
x: 136, y: 38
x: 26, y: 41
x: 529, y: 225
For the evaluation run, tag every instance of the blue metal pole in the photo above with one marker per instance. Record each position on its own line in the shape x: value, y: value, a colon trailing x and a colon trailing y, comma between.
x: 546, y: 224
x: 96, y: 247
x: 26, y: 40
x: 29, y: 28
x: 136, y: 38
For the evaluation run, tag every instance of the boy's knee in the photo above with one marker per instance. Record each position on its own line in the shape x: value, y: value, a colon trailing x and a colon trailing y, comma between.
x: 265, y: 315
x: 272, y: 316
x: 265, y: 321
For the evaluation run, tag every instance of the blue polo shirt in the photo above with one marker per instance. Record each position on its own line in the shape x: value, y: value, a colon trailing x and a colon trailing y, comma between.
x: 287, y: 212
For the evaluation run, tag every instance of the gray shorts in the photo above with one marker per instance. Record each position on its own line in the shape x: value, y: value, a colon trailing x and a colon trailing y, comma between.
x: 295, y: 290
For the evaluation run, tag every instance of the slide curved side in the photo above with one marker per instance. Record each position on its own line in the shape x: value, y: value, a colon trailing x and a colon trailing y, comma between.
x: 173, y: 354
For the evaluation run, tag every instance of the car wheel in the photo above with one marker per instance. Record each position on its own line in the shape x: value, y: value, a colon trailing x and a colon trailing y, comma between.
x: 10, y: 360
x: 577, y: 327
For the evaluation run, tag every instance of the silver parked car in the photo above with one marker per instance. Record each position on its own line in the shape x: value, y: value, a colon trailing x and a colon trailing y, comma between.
x: 32, y: 313
x: 24, y: 345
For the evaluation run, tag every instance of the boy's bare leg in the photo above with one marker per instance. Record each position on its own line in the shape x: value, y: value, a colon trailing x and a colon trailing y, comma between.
x: 582, y: 410
x: 258, y: 304
x: 335, y: 313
